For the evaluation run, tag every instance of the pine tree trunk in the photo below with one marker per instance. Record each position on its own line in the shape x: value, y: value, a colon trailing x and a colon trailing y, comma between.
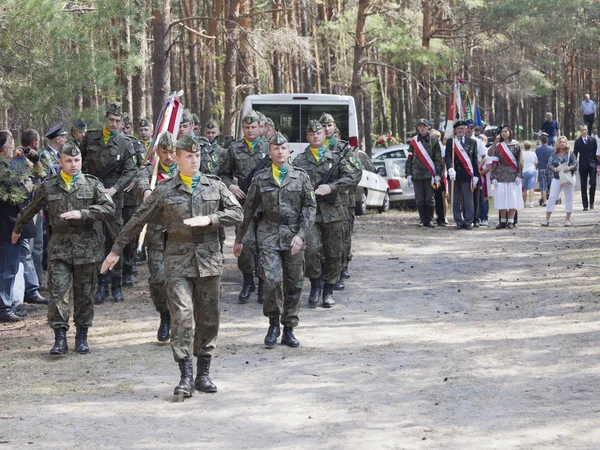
x: 359, y: 48
x: 230, y: 67
x: 161, y: 70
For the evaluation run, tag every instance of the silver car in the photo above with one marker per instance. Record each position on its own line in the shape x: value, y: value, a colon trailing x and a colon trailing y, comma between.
x: 372, y: 190
x: 393, y: 170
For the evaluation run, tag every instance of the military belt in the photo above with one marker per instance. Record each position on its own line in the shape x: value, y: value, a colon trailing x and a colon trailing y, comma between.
x: 193, y: 239
x: 77, y: 229
x: 282, y: 220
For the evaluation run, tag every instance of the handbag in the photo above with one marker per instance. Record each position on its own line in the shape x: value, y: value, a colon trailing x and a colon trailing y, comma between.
x: 566, y: 178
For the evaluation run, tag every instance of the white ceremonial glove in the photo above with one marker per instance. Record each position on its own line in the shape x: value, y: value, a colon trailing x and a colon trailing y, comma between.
x: 495, y: 182
x: 475, y: 181
x: 518, y: 181
x: 437, y: 179
x: 452, y: 173
x: 410, y: 183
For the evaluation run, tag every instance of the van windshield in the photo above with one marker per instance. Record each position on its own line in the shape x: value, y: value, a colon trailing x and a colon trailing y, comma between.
x: 291, y: 120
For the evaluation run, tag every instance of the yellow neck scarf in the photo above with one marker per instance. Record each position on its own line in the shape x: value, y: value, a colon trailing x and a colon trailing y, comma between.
x: 69, y: 180
x: 190, y: 182
x: 318, y: 152
x: 279, y: 173
x: 107, y: 135
x: 250, y: 144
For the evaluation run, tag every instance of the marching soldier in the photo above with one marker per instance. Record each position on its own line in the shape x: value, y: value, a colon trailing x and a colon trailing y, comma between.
x: 423, y: 169
x: 186, y: 126
x: 212, y: 154
x: 145, y: 132
x: 127, y: 125
x: 329, y: 174
x: 78, y: 130
x: 270, y: 129
x: 109, y: 156
x: 288, y: 206
x: 244, y: 158
x: 211, y: 133
x: 75, y: 201
x: 191, y: 206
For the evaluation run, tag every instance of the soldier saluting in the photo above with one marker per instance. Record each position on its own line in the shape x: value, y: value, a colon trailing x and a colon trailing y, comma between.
x: 108, y: 155
x: 288, y: 206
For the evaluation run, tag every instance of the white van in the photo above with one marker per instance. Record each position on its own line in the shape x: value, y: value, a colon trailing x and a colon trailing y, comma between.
x: 291, y: 113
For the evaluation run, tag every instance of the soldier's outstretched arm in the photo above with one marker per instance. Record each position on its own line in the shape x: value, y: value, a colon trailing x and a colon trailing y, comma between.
x: 103, y: 207
x: 250, y: 206
x: 231, y: 213
x: 38, y: 202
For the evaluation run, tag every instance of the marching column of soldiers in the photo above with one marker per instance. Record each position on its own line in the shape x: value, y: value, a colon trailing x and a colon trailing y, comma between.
x: 109, y: 194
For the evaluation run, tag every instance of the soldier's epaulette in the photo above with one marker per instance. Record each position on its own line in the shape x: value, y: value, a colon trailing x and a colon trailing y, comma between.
x: 93, y: 131
x: 92, y: 177
x: 300, y: 169
x: 214, y: 177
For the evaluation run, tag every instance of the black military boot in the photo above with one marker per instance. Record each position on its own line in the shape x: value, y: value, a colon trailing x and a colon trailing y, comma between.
x: 273, y: 332
x: 141, y: 256
x: 288, y: 337
x: 328, y: 296
x: 203, y: 382
x: 429, y: 210
x: 345, y: 273
x: 164, y: 329
x: 316, y: 290
x: 247, y: 289
x: 102, y: 291
x: 261, y: 291
x: 134, y: 268
x: 60, y: 342
x: 116, y: 290
x: 81, y: 345
x: 339, y: 286
x: 186, y: 384
x: 127, y: 279
x: 422, y: 214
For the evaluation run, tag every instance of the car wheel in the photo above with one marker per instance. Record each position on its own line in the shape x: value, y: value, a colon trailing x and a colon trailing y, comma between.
x: 361, y: 207
x: 385, y: 207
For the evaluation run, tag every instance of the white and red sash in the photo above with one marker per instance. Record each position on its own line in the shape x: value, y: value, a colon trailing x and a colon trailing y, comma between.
x: 508, y: 156
x: 464, y: 159
x: 424, y: 157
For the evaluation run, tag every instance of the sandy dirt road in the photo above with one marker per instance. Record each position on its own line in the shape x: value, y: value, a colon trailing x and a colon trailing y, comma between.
x: 478, y: 339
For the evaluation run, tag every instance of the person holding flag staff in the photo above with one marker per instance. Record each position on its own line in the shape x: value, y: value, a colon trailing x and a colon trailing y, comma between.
x: 461, y: 161
x: 507, y: 176
x: 423, y: 169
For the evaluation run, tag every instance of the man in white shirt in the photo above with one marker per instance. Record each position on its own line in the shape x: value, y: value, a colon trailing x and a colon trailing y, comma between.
x: 588, y: 108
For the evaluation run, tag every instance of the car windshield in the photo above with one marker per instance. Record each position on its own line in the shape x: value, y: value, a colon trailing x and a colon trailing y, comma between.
x: 396, y: 153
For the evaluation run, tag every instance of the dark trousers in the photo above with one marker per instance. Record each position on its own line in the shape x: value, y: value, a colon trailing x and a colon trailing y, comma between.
x: 440, y: 197
x: 588, y: 119
x: 584, y: 173
x: 476, y: 194
x: 463, y: 195
x: 425, y: 199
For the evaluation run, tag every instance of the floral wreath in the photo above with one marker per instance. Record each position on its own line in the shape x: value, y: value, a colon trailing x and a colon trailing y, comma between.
x: 385, y: 140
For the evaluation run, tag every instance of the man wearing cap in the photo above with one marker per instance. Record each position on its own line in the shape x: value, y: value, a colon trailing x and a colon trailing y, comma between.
x: 288, y: 205
x: 269, y: 129
x: 211, y: 133
x: 78, y: 130
x: 49, y: 157
x: 243, y: 159
x: 423, y: 171
x: 191, y: 206
x: 481, y: 155
x: 186, y: 126
x: 127, y: 125
x: 461, y: 161
x: 109, y: 156
x: 324, y: 240
x: 348, y: 197
x: 75, y: 201
x: 145, y: 132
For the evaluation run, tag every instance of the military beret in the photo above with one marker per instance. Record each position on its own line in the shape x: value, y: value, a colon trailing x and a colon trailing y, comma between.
x: 313, y: 125
x: 196, y: 119
x: 145, y: 123
x: 470, y: 123
x: 166, y: 141
x: 114, y: 109
x: 79, y: 124
x: 187, y: 116
x: 278, y: 139
x: 336, y: 130
x: 70, y: 149
x: 460, y: 123
x: 212, y: 123
x: 422, y: 122
x: 261, y: 116
x: 326, y: 118
x: 251, y: 117
x: 187, y: 143
x: 55, y: 131
x: 126, y: 118
x: 270, y: 122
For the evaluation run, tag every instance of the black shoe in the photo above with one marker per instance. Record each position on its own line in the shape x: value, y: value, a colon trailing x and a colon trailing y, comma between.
x: 60, y: 342
x: 164, y: 329
x: 247, y: 289
x: 203, y: 382
x: 459, y: 227
x: 288, y: 337
x: 328, y: 301
x: 37, y: 299
x: 11, y: 316
x: 585, y: 209
x: 592, y: 206
x: 115, y: 290
x: 429, y: 225
x: 476, y: 225
x: 316, y: 291
x: 510, y: 225
x: 261, y: 291
x: 339, y: 286
x: 441, y: 223
x: 273, y: 332
x: 501, y: 225
x: 185, y: 387
x: 345, y: 273
x: 468, y: 227
x: 134, y: 270
x: 127, y: 280
x: 81, y: 345
x: 141, y: 257
x: 102, y: 291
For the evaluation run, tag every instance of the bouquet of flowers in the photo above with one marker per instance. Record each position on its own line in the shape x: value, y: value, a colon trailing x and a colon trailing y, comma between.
x: 385, y: 140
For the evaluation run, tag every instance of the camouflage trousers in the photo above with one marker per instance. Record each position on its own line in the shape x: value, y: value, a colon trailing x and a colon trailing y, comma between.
x: 81, y: 279
x: 111, y: 229
x: 347, y: 230
x: 324, y: 251
x: 194, y: 300
x: 156, y: 280
x: 130, y: 249
x: 283, y: 275
x: 247, y: 260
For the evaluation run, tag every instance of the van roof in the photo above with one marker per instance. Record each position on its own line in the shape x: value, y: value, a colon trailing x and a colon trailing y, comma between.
x: 269, y: 98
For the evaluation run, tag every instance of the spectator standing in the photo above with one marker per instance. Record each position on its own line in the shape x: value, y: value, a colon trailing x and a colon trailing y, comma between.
x: 561, y: 160
x: 543, y: 153
x: 530, y: 166
x: 485, y: 168
x: 588, y: 109
x: 481, y: 154
x: 585, y: 147
x: 551, y: 128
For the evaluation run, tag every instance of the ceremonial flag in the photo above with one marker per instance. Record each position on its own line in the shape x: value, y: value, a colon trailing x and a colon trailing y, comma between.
x: 454, y: 111
x: 476, y: 111
x: 468, y: 107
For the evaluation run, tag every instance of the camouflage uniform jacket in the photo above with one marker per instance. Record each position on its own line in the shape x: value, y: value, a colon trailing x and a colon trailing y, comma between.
x: 72, y: 241
x: 97, y: 155
x: 49, y: 161
x: 343, y: 179
x: 210, y: 164
x: 129, y: 198
x: 288, y: 210
x: 190, y: 251
x: 339, y: 146
x: 239, y: 162
x: 415, y: 167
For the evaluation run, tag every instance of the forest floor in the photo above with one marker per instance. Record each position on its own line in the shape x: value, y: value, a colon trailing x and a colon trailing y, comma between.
x: 483, y: 339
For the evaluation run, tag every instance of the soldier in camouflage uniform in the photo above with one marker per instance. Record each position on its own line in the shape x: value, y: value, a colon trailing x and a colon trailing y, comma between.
x: 287, y: 201
x: 420, y: 176
x: 244, y: 158
x: 109, y: 156
x: 211, y: 159
x: 75, y: 201
x: 191, y: 206
x: 324, y: 244
x: 341, y: 147
x: 269, y: 129
x: 154, y: 240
